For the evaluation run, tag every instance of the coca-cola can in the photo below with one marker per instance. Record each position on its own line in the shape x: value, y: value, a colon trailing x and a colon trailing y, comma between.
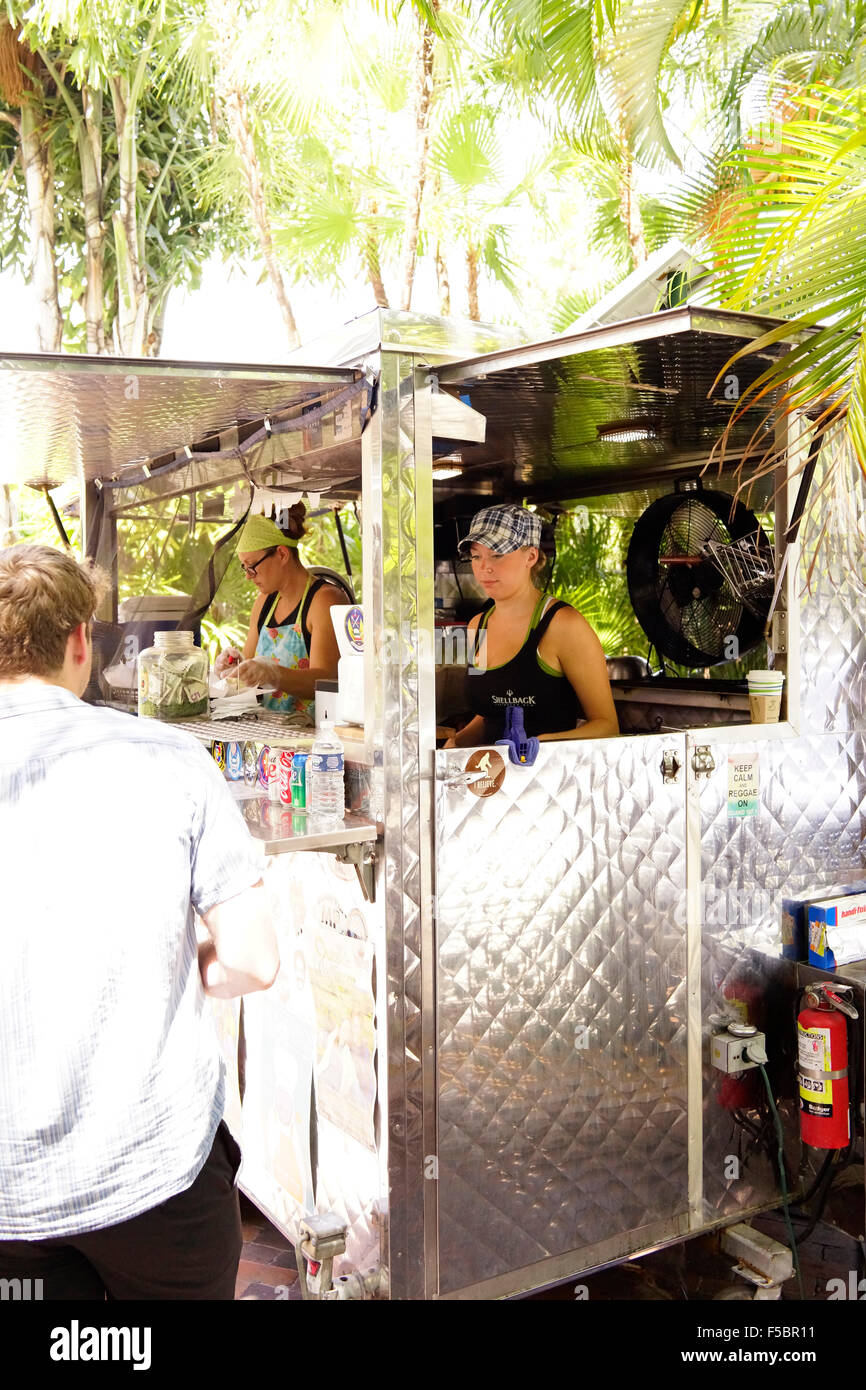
x: 285, y: 776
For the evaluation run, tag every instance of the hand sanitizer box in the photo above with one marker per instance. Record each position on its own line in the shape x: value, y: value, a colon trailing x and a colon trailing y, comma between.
x: 348, y: 620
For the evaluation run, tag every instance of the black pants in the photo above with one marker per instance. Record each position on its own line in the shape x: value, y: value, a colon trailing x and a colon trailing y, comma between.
x: 186, y: 1248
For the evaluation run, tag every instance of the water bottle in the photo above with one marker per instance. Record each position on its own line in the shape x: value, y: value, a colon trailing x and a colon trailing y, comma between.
x: 326, y: 793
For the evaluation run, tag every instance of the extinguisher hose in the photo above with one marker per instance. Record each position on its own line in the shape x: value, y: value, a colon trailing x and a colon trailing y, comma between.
x: 818, y: 1179
x: 783, y: 1181
x: 836, y: 1160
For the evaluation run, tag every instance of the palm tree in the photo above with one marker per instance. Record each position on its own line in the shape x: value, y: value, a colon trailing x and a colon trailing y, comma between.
x: 473, y: 206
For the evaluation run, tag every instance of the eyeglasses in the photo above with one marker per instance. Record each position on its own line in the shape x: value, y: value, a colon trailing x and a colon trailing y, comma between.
x: 250, y: 570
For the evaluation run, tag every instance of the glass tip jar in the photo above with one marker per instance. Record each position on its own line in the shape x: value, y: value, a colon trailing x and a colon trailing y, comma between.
x: 173, y: 678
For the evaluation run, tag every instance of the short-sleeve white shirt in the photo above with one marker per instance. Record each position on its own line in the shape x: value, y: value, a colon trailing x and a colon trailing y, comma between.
x: 112, y: 830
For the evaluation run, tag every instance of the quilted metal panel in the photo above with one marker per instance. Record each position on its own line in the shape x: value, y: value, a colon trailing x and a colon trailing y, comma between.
x: 562, y: 1033
x: 833, y: 603
x: 808, y: 833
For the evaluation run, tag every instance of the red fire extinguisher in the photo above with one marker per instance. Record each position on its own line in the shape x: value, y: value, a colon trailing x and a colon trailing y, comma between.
x: 822, y: 1070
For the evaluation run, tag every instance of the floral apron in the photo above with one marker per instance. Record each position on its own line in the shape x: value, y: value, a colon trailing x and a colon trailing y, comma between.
x: 285, y: 646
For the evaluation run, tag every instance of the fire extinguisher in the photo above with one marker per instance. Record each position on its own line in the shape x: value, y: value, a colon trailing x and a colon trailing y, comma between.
x: 822, y: 1069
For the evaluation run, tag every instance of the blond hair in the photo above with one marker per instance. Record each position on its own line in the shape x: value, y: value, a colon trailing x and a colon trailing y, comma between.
x: 539, y: 574
x: 44, y: 595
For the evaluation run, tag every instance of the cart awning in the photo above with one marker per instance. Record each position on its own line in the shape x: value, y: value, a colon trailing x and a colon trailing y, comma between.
x: 64, y: 418
x: 618, y: 405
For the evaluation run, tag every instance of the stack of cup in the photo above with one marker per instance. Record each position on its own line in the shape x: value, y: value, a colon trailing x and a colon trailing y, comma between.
x: 765, y: 695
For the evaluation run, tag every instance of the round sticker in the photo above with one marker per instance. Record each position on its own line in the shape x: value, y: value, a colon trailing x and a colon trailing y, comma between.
x: 355, y: 628
x: 491, y: 767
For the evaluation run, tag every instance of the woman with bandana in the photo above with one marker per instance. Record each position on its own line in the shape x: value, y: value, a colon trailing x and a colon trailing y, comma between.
x: 291, y: 642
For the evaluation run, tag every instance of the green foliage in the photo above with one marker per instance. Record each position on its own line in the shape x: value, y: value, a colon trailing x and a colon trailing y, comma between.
x: 321, y: 544
x: 90, y: 53
x: 590, y: 574
x: 794, y: 246
x: 31, y: 519
x: 157, y: 554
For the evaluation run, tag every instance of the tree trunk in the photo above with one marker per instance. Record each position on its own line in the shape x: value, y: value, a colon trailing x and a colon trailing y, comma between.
x: 371, y: 258
x: 472, y: 281
x: 442, y: 282
x: 90, y: 158
x: 132, y: 308
x: 630, y: 207
x: 157, y: 329
x: 237, y: 116
x: 38, y: 166
x: 8, y: 517
x: 423, y: 103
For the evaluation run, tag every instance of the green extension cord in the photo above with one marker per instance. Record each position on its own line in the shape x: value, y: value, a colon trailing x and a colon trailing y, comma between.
x: 780, y: 1139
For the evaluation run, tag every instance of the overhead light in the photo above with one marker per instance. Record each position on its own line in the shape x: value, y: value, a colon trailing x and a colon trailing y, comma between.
x: 440, y: 474
x: 627, y: 431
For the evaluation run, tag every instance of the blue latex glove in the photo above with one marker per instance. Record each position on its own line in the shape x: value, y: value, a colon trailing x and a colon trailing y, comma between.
x: 521, y: 750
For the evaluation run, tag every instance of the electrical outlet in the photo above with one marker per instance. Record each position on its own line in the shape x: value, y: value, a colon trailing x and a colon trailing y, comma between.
x: 728, y: 1052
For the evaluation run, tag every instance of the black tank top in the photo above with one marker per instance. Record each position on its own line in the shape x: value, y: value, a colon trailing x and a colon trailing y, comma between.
x: 304, y: 603
x: 549, y: 702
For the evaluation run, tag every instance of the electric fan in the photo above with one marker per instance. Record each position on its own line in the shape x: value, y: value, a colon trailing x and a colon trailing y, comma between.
x: 700, y: 573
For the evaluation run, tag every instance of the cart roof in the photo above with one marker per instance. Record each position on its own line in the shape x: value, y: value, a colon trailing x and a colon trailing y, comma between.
x: 62, y: 417
x: 563, y: 409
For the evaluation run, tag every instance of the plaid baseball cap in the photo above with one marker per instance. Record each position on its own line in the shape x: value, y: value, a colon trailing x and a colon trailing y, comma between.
x: 502, y: 529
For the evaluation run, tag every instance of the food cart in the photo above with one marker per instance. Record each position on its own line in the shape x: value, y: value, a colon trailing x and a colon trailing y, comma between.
x: 487, y: 1055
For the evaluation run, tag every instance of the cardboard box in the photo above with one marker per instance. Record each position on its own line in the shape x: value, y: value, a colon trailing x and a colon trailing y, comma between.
x: 837, y: 930
x: 795, y: 918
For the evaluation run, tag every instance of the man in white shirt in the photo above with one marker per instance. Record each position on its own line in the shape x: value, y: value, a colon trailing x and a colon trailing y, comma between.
x: 116, y: 1170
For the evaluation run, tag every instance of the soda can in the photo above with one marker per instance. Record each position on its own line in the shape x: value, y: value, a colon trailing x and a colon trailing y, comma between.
x: 299, y: 782
x: 264, y: 757
x: 218, y: 753
x: 274, y: 774
x: 285, y: 775
x: 235, y: 762
x: 251, y: 764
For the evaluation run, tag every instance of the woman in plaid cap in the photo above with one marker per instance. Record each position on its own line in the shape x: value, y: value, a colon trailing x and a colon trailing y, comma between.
x: 527, y: 648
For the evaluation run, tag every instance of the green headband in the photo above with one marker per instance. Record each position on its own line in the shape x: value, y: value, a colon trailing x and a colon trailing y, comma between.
x: 260, y: 533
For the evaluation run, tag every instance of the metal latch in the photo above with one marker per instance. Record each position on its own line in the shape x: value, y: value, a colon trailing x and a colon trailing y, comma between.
x: 363, y: 855
x: 703, y: 762
x: 670, y: 766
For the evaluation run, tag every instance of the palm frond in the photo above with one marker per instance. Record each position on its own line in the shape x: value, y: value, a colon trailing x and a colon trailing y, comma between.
x: 645, y: 33
x: 795, y: 247
x: 821, y: 38
x: 571, y: 306
x: 466, y: 148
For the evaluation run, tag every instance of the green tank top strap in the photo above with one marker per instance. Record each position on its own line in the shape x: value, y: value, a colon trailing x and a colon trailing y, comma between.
x: 271, y: 610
